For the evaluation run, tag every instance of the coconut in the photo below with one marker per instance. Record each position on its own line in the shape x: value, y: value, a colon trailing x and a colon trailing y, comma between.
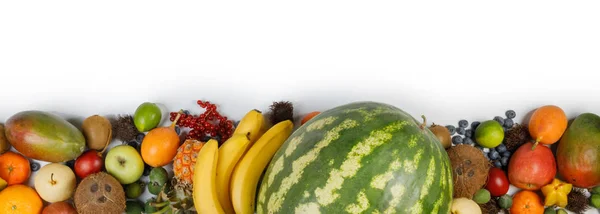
x: 469, y: 170
x: 100, y: 192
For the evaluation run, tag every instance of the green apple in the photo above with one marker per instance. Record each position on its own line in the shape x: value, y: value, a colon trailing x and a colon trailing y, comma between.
x: 147, y: 116
x: 124, y: 163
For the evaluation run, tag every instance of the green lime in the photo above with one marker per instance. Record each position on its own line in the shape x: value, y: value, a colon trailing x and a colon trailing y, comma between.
x: 595, y: 200
x: 561, y: 211
x: 134, y: 190
x: 134, y: 207
x: 482, y: 196
x: 549, y: 210
x: 505, y: 201
x: 489, y: 134
x: 147, y: 116
x: 596, y: 190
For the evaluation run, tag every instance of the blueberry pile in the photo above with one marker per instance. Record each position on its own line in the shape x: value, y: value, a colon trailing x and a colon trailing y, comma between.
x: 465, y: 134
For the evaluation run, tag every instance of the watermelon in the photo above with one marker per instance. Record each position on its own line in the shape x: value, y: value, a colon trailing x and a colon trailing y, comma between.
x: 362, y: 157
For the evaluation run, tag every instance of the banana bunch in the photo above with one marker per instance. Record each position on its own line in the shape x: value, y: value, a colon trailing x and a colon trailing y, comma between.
x: 226, y: 178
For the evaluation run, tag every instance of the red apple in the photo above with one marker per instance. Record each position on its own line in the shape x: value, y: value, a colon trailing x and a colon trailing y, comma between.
x: 531, y: 168
x: 88, y: 163
x: 59, y: 208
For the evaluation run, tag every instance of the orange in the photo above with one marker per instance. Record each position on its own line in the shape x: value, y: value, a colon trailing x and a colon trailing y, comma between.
x: 14, y: 168
x: 309, y: 116
x: 527, y: 202
x: 20, y: 199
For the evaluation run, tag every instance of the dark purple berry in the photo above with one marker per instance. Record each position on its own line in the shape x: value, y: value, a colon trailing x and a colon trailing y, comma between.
x: 468, y: 141
x: 504, y: 161
x: 147, y: 169
x: 499, y: 120
x: 468, y: 133
x: 498, y: 164
x: 35, y: 166
x: 510, y: 114
x: 451, y: 129
x: 508, y: 123
x: 506, y: 154
x: 463, y: 123
x: 460, y: 131
x: 140, y: 137
x: 457, y: 140
x: 475, y: 124
x: 177, y: 130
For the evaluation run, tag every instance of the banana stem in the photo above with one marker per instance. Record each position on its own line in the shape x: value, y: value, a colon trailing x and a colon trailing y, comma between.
x: 176, y: 119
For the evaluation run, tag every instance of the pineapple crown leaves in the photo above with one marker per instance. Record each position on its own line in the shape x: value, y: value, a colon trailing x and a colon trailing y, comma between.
x: 174, y: 199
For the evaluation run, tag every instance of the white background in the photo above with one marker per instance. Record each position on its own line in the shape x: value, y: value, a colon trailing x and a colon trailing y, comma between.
x: 448, y: 60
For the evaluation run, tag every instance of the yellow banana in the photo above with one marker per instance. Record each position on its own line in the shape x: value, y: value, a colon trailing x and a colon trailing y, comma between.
x: 254, y: 123
x: 247, y: 172
x: 205, y: 180
x: 229, y: 154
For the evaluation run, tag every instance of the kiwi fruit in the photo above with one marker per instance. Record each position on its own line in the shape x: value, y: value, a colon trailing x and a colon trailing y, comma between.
x: 100, y: 191
x: 442, y: 134
x: 4, y: 145
x: 97, y: 131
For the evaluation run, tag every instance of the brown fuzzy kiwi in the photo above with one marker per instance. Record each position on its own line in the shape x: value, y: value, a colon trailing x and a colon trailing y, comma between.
x: 97, y: 131
x: 469, y: 170
x: 442, y: 134
x: 100, y: 192
x: 4, y: 145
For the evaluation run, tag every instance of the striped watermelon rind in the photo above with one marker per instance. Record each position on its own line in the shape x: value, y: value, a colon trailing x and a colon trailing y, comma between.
x: 362, y: 157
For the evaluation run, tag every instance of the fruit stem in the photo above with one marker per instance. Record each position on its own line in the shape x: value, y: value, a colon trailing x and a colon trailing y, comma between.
x: 176, y: 118
x: 536, y: 143
x: 52, y: 181
x: 424, y: 124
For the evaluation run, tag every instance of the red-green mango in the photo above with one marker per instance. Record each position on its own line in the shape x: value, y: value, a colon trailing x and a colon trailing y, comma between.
x: 44, y: 136
x: 578, y: 152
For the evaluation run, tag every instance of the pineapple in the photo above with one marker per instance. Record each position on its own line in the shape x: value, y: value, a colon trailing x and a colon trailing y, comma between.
x: 176, y: 198
x: 183, y: 163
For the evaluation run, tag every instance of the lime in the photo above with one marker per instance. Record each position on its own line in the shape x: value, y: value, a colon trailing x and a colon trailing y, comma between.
x: 134, y: 207
x: 482, y: 196
x: 489, y: 134
x: 561, y: 211
x: 595, y: 200
x: 134, y: 190
x: 549, y: 210
x: 147, y: 116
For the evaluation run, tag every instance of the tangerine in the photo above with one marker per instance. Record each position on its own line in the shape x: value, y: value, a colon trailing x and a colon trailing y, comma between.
x: 20, y: 199
x: 14, y: 168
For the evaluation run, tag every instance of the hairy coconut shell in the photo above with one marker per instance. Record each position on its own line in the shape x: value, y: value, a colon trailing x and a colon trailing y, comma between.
x: 97, y: 131
x: 469, y: 170
x: 100, y: 193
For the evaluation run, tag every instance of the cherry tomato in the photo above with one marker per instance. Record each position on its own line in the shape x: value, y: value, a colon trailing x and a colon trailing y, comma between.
x: 497, y: 182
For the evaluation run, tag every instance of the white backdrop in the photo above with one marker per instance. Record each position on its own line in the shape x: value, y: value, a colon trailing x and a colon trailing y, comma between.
x: 447, y: 60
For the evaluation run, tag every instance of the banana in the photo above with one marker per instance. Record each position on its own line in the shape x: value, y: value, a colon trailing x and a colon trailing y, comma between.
x: 247, y: 172
x: 205, y: 181
x: 254, y: 123
x: 229, y: 154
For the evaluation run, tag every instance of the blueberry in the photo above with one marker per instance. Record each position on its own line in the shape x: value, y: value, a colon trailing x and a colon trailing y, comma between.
x: 505, y: 129
x: 206, y: 138
x: 460, y: 131
x: 217, y: 138
x: 492, y: 149
x: 450, y: 128
x: 177, y: 130
x: 499, y: 120
x: 463, y: 123
x: 479, y: 147
x: 506, y: 154
x: 70, y: 164
x: 498, y: 164
x: 501, y: 148
x: 504, y: 161
x: 468, y: 133
x: 140, y: 137
x: 134, y: 144
x: 35, y: 166
x: 494, y: 155
x: 147, y: 169
x: 508, y: 123
x: 475, y: 124
x: 237, y: 122
x: 510, y: 114
x: 468, y: 141
x: 186, y: 112
x: 457, y: 140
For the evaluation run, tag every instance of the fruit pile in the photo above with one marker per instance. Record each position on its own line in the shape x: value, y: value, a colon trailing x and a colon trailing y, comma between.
x: 521, y: 156
x: 362, y: 157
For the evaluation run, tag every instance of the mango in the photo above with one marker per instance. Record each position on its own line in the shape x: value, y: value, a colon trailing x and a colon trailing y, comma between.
x: 44, y: 136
